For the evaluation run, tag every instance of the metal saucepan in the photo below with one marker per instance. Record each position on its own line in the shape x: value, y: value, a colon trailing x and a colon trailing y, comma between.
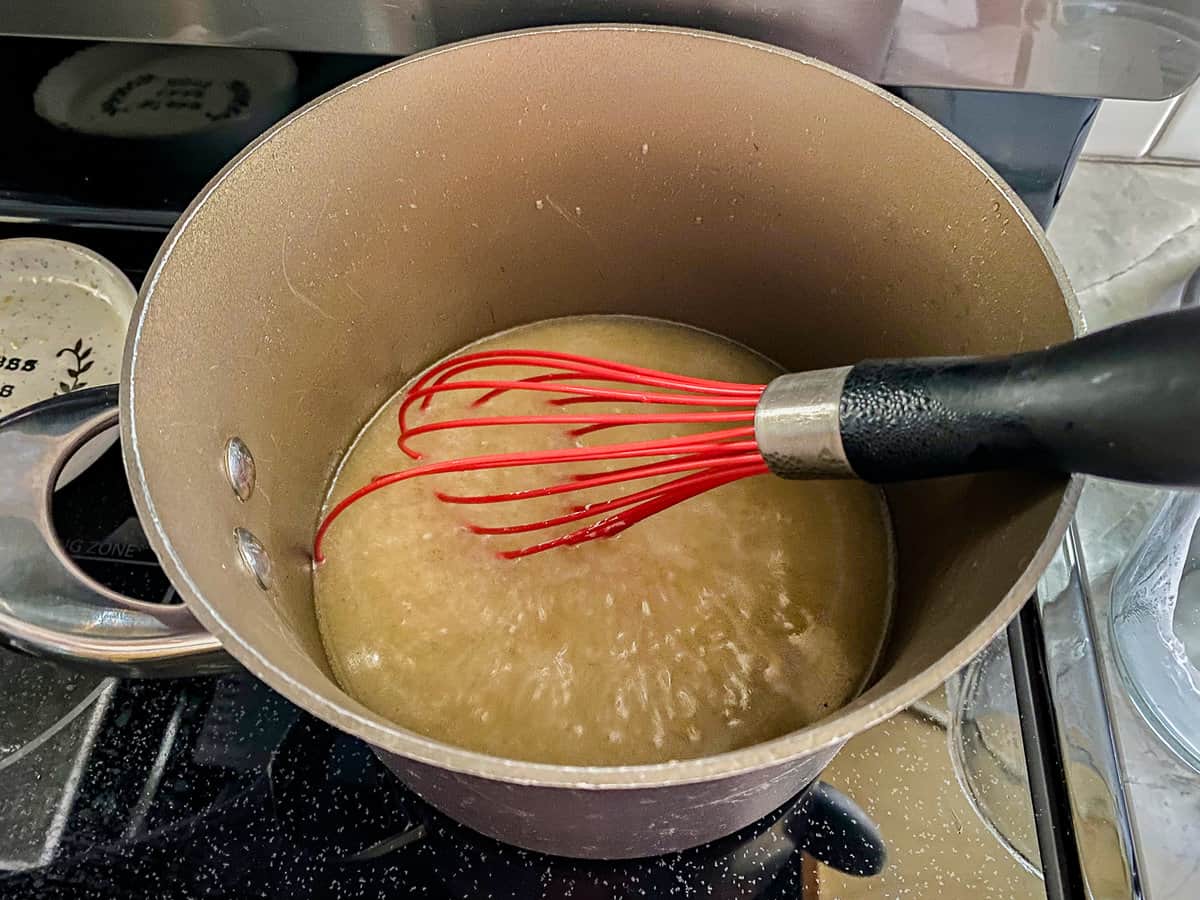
x: 731, y: 185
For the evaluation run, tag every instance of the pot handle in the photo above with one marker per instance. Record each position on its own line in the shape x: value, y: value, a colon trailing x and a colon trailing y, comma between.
x: 1122, y: 403
x: 48, y: 606
x: 838, y: 833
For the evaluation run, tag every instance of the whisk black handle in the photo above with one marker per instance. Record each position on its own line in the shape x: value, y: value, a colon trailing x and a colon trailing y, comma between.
x: 1121, y: 403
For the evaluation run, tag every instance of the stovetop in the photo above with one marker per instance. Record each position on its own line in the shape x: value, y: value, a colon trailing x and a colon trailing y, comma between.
x: 228, y: 791
x: 218, y: 787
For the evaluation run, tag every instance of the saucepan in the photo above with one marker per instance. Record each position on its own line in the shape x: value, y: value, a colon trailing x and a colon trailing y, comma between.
x: 623, y: 169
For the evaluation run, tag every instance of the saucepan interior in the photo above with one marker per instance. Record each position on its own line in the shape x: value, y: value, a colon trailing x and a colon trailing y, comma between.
x: 612, y: 169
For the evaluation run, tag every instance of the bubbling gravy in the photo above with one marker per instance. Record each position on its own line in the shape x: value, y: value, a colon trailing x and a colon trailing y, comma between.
x: 733, y: 618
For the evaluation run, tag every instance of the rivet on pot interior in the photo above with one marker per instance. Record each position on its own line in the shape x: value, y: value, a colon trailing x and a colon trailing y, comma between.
x: 239, y: 467
x: 254, y: 556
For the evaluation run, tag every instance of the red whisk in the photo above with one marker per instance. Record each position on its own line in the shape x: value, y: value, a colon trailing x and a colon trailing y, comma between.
x: 1122, y: 403
x: 704, y: 460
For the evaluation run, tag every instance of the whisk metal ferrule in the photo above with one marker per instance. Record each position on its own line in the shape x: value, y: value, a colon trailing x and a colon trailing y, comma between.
x: 797, y: 424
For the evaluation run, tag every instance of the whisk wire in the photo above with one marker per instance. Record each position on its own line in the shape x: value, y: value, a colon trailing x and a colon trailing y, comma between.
x: 614, y: 525
x: 588, y: 510
x: 620, y: 476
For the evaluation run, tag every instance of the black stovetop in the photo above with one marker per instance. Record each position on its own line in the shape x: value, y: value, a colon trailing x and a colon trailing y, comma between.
x: 217, y: 787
